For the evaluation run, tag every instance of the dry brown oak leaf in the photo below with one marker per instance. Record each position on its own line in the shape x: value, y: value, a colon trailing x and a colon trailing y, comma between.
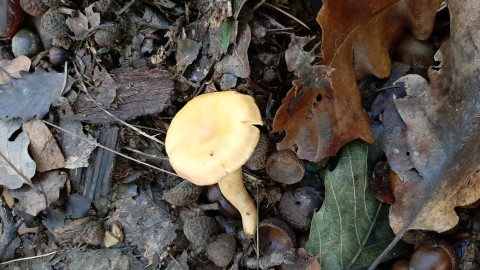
x: 357, y: 36
x: 437, y: 156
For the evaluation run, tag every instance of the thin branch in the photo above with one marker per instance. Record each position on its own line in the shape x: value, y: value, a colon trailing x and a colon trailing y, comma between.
x: 108, y: 149
x: 29, y: 258
x: 288, y: 14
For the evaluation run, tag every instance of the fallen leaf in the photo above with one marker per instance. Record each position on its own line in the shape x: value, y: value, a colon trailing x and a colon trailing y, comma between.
x: 43, y: 147
x: 429, y: 156
x: 78, y: 23
x: 351, y: 228
x: 32, y: 95
x: 13, y: 68
x: 180, y: 262
x: 357, y: 36
x: 46, y: 186
x: 145, y: 224
x: 236, y: 63
x: 92, y: 14
x: 16, y: 166
x: 106, y: 87
x: 77, y: 151
x: 186, y: 53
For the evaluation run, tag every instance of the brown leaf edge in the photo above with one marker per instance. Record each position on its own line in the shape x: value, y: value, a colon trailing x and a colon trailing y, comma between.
x: 318, y: 122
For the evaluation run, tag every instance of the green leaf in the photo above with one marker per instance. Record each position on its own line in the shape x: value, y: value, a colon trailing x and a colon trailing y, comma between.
x: 227, y: 28
x: 351, y: 228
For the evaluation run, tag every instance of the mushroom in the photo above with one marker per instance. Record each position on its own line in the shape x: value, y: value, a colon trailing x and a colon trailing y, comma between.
x: 210, y: 139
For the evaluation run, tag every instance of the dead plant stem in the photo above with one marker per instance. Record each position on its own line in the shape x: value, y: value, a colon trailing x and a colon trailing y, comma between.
x: 108, y: 149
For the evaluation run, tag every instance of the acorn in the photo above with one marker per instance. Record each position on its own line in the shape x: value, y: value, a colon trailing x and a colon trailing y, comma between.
x: 435, y: 257
x: 53, y: 22
x: 285, y: 167
x: 58, y: 56
x: 182, y: 194
x: 221, y: 249
x: 258, y: 159
x: 198, y: 230
x: 108, y: 36
x: 298, y: 206
x: 34, y: 7
x: 417, y: 53
x: 275, y: 235
x: 401, y: 265
x: 187, y: 213
x: 26, y: 42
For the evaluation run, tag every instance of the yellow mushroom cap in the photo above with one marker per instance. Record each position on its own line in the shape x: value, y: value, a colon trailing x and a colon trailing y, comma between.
x: 212, y: 136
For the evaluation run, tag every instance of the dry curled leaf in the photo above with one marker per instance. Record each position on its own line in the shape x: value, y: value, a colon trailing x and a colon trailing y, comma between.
x: 13, y: 68
x: 145, y: 224
x: 33, y: 94
x: 46, y: 186
x: 16, y: 166
x: 429, y: 156
x: 357, y: 36
x: 43, y: 147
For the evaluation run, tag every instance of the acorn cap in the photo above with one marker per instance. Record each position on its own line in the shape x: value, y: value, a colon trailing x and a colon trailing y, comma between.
x: 285, y: 167
x: 34, y: 7
x: 259, y: 157
x: 212, y: 136
x: 220, y: 251
x: 199, y: 229
x: 275, y: 235
x: 187, y: 213
x: 53, y: 22
x: 93, y: 233
x: 108, y: 36
x: 184, y: 193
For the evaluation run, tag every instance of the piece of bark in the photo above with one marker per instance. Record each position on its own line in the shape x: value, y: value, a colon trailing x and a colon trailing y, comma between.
x: 10, y: 227
x: 94, y: 181
x: 142, y: 92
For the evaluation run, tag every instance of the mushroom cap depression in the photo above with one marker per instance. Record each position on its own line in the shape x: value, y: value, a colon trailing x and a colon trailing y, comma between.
x: 212, y: 136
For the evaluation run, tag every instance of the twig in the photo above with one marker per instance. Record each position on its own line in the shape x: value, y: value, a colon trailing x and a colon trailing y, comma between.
x: 127, y: 6
x: 108, y: 149
x: 109, y: 113
x: 29, y: 258
x: 386, y: 88
x: 144, y: 154
x: 287, y: 14
x: 10, y: 227
x: 258, y: 5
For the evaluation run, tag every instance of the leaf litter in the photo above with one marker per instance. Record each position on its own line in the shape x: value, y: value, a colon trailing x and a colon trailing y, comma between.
x: 32, y: 94
x: 16, y: 165
x: 320, y: 114
x: 428, y: 155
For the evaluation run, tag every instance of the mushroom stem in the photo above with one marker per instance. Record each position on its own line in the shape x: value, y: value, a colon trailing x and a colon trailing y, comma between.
x: 234, y: 191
